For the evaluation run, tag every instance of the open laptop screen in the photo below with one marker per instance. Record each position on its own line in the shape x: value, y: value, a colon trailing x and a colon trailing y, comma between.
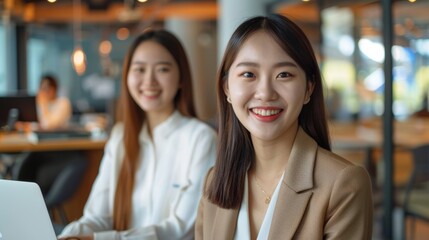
x: 23, y: 212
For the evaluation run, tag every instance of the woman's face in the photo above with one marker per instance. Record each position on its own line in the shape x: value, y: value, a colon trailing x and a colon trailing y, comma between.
x: 153, y: 79
x: 267, y: 88
x: 47, y: 91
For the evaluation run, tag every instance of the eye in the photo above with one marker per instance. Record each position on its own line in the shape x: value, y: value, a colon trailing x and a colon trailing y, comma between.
x: 163, y: 69
x: 248, y: 75
x: 284, y: 75
x: 138, y: 69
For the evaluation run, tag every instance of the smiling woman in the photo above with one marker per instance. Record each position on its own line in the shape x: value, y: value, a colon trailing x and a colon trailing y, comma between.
x: 153, y: 80
x: 269, y: 91
x: 275, y: 176
x: 151, y: 175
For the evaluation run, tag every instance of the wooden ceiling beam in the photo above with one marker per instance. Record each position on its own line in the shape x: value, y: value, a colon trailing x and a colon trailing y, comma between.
x: 301, y: 12
x: 61, y: 13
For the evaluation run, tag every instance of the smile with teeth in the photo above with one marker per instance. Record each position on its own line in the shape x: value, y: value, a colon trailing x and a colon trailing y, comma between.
x: 265, y: 112
x: 151, y: 93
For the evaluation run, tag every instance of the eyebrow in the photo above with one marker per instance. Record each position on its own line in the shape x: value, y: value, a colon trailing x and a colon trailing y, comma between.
x: 157, y: 63
x: 279, y: 64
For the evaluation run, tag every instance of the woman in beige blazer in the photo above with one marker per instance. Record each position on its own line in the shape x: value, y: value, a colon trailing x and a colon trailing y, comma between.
x: 275, y: 176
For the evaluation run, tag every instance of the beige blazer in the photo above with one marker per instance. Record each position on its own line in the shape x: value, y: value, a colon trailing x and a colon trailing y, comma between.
x: 322, y: 196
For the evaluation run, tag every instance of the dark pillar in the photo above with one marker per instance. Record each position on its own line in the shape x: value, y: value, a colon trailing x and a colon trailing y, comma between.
x: 21, y: 57
x: 388, y: 186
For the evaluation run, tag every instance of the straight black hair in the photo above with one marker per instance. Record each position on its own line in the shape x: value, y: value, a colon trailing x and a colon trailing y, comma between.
x: 235, y: 152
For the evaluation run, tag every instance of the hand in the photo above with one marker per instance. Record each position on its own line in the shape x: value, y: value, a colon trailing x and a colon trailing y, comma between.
x: 42, y: 98
x: 81, y: 237
x: 23, y: 126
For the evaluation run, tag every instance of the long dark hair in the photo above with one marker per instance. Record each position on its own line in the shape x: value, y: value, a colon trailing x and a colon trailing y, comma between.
x: 235, y: 151
x: 133, y: 118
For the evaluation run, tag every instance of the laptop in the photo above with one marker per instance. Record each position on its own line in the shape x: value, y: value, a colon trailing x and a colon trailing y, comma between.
x: 63, y: 133
x: 23, y: 213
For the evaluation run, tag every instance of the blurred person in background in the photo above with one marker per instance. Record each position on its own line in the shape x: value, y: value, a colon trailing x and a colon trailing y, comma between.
x: 151, y: 174
x: 53, y: 111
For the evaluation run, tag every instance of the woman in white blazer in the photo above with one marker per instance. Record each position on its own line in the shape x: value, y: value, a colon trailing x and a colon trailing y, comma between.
x: 150, y: 178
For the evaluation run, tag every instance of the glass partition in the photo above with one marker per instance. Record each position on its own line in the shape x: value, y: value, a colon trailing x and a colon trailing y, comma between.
x: 354, y: 55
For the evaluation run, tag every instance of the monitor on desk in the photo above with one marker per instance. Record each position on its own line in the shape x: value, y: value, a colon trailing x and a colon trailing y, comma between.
x: 17, y: 108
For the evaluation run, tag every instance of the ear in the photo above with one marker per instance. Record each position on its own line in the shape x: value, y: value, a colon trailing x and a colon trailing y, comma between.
x: 226, y: 88
x: 309, y: 91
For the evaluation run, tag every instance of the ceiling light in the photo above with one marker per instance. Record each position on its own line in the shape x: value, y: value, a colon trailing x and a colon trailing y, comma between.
x: 78, y: 56
x: 105, y: 47
x: 122, y: 33
x: 79, y: 60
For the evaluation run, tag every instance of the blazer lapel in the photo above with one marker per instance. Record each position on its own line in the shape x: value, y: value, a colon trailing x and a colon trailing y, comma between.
x: 290, y: 208
x: 225, y: 223
x: 294, y: 195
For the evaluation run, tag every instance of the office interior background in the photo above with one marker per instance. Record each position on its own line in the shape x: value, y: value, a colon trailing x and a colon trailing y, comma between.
x: 44, y: 36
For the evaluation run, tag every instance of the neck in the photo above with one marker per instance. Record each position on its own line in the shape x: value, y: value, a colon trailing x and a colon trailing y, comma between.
x: 271, y: 157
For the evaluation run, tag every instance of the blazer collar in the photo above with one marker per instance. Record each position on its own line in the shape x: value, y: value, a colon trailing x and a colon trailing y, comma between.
x: 299, y: 169
x: 293, y: 197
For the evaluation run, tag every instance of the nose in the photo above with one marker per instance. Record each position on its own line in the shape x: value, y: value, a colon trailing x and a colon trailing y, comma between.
x: 265, y: 90
x: 149, y: 78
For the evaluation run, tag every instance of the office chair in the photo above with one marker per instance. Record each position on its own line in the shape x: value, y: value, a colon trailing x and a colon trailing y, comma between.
x: 58, y: 174
x: 416, y: 199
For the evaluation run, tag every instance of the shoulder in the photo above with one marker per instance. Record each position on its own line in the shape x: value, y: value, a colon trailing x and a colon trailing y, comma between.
x: 117, y: 129
x: 196, y: 128
x: 330, y: 159
x: 340, y: 184
x: 62, y: 101
x: 117, y: 133
x: 340, y: 172
x: 196, y: 124
x: 322, y: 165
x: 208, y: 179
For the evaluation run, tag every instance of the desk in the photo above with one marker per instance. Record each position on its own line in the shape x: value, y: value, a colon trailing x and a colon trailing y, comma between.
x: 19, y: 142
x: 92, y: 148
x: 407, y: 134
x: 368, y: 136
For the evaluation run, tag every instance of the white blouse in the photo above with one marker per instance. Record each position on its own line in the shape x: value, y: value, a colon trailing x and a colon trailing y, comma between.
x: 168, y: 183
x: 243, y: 226
x: 54, y: 114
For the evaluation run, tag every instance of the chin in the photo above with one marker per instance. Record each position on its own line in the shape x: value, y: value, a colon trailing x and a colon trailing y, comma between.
x: 264, y: 136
